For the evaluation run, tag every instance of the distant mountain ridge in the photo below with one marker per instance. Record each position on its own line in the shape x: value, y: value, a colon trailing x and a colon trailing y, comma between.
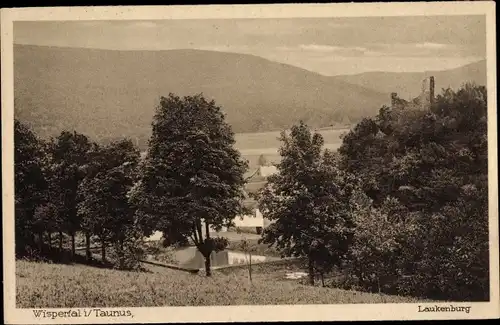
x: 109, y: 93
x: 408, y: 84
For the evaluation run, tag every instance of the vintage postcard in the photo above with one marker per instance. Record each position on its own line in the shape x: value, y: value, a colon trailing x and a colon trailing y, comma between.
x: 301, y: 162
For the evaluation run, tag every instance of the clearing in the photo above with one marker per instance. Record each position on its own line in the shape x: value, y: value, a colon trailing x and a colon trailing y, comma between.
x: 252, y: 145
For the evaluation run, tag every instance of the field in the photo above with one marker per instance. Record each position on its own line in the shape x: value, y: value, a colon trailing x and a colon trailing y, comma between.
x: 254, y: 247
x: 55, y: 285
x: 252, y: 145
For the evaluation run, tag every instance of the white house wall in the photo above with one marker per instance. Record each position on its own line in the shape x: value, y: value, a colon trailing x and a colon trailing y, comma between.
x: 255, y: 220
x: 242, y: 258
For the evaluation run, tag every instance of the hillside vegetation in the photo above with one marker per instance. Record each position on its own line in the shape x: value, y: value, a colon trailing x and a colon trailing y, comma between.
x: 426, y: 172
x: 112, y: 94
x: 409, y: 84
x: 55, y: 286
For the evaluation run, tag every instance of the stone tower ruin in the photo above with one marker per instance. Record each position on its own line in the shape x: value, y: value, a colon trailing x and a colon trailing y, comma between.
x: 423, y: 101
x: 427, y: 95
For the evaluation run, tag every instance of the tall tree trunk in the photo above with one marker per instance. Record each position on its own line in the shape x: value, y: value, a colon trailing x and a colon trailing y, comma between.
x: 322, y: 279
x: 73, y: 246
x: 207, y: 229
x: 195, y: 236
x: 208, y: 253
x: 88, y: 253
x: 122, y: 257
x: 361, y: 277
x: 199, y: 230
x: 60, y: 240
x: 208, y: 271
x: 49, y: 235
x: 40, y: 241
x: 103, y: 250
x: 311, y: 271
x: 33, y: 240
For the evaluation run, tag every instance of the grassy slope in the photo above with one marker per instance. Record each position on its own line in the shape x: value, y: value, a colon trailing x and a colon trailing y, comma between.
x: 50, y: 285
x: 255, y: 247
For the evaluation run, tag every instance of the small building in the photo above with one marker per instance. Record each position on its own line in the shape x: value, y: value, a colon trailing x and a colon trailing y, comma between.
x: 249, y: 221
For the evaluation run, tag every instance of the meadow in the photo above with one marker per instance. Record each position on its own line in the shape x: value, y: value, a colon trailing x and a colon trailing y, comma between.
x: 254, y: 247
x: 56, y: 285
x: 252, y: 145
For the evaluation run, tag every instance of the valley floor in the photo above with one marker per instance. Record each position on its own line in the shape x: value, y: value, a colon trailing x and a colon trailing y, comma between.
x: 43, y: 285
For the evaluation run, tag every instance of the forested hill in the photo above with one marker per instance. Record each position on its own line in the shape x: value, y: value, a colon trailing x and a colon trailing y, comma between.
x: 408, y: 84
x: 110, y: 94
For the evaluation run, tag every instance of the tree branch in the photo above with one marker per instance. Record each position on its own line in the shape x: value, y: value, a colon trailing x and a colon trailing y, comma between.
x: 198, y: 228
x: 195, y: 241
x: 207, y: 229
x: 195, y: 236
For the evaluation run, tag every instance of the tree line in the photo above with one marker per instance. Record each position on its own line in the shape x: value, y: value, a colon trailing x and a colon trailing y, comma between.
x: 69, y: 185
x: 190, y: 181
x: 400, y: 208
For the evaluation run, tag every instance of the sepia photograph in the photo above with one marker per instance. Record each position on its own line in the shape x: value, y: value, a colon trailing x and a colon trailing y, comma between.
x: 256, y: 157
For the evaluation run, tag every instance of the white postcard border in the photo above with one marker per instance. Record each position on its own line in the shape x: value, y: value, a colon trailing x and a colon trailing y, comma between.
x: 405, y: 311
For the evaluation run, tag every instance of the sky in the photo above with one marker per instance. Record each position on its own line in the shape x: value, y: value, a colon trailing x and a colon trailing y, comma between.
x: 329, y: 46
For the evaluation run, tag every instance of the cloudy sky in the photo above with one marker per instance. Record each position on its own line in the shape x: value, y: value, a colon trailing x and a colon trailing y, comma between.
x: 330, y: 46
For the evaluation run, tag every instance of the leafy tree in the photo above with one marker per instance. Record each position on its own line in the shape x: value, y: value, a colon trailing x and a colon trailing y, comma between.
x: 70, y: 156
x: 30, y: 184
x: 434, y: 163
x: 311, y: 202
x: 192, y: 176
x: 49, y: 212
x: 130, y: 249
x: 104, y: 208
x: 379, y: 240
x: 45, y: 221
x: 91, y: 224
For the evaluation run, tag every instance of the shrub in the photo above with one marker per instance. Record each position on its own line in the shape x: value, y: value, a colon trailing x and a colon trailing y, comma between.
x: 129, y: 251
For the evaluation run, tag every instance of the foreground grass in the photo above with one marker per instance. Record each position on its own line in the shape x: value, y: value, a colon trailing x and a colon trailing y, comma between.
x: 53, y: 285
